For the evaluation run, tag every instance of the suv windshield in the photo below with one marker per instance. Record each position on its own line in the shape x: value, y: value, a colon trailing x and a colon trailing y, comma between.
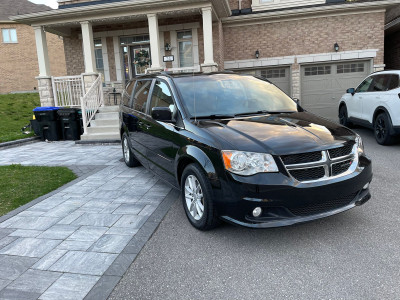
x: 231, y: 94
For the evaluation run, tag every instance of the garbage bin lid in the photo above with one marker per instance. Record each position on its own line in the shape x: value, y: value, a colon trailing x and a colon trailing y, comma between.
x: 46, y: 108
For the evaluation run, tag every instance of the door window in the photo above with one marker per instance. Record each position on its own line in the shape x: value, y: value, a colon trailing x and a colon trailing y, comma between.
x: 141, y: 95
x: 365, y: 85
x: 185, y: 48
x: 394, y: 82
x: 380, y: 83
x: 162, y: 96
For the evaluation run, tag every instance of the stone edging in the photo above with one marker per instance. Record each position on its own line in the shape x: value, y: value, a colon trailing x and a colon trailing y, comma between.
x: 19, y: 142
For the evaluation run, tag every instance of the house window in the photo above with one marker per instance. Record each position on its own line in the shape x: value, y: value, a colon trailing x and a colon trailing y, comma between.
x: 98, y: 54
x: 320, y: 70
x: 9, y: 35
x: 185, y: 45
x: 350, y: 68
x: 273, y: 73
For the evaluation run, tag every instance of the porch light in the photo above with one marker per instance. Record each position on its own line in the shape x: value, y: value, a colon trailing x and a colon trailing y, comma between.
x: 168, y: 47
x: 336, y: 47
x: 257, y: 54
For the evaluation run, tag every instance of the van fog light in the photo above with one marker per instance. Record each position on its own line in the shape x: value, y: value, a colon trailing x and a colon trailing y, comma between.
x: 257, y: 212
x: 366, y: 186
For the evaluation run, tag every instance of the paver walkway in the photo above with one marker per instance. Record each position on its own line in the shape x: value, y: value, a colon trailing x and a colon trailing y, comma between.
x: 78, y: 241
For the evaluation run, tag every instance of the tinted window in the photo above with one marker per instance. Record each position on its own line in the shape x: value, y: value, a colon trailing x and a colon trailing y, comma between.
x: 221, y: 94
x: 162, y: 96
x: 364, y: 86
x: 381, y: 83
x: 127, y: 95
x: 394, y: 82
x: 141, y: 95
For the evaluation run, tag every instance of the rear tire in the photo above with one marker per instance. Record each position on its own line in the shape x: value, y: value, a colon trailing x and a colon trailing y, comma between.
x: 129, y: 158
x: 382, y: 128
x: 198, y: 198
x: 343, y: 117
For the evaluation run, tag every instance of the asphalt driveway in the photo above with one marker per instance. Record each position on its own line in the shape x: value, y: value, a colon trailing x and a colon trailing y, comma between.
x: 354, y: 255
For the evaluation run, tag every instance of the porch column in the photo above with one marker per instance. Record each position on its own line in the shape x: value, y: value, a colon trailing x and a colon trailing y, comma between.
x: 209, y: 64
x: 154, y: 43
x: 88, y: 47
x: 42, y: 51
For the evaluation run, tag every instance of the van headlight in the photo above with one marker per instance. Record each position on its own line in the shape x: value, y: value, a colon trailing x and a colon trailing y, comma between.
x: 248, y: 163
x: 360, y: 145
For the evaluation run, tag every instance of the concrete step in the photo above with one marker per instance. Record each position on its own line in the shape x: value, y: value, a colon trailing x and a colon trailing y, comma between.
x: 105, y: 122
x: 107, y: 116
x: 102, y: 129
x: 101, y: 137
x: 114, y: 108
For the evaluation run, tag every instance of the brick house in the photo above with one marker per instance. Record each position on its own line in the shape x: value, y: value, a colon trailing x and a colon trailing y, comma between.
x: 18, y: 57
x: 312, y: 49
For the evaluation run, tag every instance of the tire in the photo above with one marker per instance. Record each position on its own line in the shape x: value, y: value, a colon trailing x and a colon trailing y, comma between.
x: 129, y: 158
x: 382, y: 128
x: 343, y: 116
x: 200, y: 209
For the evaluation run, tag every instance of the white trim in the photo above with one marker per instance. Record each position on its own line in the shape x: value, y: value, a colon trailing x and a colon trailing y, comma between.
x: 105, y: 59
x: 162, y: 49
x: 154, y: 41
x: 308, y: 58
x: 258, y: 5
x: 42, y: 52
x: 118, y: 58
x: 88, y: 47
x: 195, y: 45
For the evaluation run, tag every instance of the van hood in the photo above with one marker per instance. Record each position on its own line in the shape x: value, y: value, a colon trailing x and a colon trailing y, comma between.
x: 278, y: 134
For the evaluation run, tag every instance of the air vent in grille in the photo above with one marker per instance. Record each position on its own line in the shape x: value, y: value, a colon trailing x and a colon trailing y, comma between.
x: 342, y: 151
x: 341, y: 167
x: 308, y: 174
x: 322, y: 207
x: 301, y: 158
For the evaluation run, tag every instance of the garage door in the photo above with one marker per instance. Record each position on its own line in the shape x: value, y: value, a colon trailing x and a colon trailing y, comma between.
x: 278, y: 76
x: 322, y: 86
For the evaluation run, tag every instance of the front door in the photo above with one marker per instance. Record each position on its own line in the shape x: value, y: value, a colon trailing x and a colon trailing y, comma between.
x: 140, y: 60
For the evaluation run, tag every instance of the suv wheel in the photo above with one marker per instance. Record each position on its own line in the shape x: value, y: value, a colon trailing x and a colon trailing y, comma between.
x: 382, y: 128
x: 129, y: 157
x: 343, y: 116
x: 197, y: 197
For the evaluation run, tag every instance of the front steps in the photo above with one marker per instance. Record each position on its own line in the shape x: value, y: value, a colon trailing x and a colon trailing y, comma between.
x: 104, y: 127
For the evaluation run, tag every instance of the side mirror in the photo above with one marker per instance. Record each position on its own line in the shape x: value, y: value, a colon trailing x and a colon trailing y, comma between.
x: 351, y: 91
x: 161, y: 114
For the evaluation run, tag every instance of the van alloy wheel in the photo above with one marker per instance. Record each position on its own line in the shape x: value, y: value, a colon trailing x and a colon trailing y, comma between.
x: 194, y: 197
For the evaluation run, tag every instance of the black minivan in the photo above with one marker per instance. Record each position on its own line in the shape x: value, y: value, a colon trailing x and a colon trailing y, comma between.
x: 241, y: 150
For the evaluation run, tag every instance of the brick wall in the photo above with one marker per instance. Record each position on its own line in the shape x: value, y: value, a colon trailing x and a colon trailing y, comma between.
x: 19, y: 63
x: 308, y: 36
x: 111, y: 59
x: 74, y: 55
x: 234, y: 4
x: 392, y: 51
x: 392, y: 13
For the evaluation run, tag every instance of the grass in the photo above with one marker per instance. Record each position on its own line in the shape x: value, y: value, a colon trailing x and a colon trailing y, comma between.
x: 15, y: 113
x: 20, y: 185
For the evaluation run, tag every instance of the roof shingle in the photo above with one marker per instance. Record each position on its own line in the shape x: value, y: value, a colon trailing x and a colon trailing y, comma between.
x: 18, y: 7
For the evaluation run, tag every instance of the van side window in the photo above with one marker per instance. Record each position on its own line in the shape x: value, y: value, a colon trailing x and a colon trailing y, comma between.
x: 141, y: 97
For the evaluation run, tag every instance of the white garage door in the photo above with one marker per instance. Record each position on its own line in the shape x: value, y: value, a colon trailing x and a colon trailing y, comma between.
x: 278, y: 76
x: 322, y: 86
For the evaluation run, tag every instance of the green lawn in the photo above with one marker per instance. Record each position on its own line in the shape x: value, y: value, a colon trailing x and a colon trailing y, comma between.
x: 20, y: 185
x: 15, y: 113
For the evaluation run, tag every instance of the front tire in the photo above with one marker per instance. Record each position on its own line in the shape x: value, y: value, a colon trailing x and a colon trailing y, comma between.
x: 382, y: 128
x: 343, y: 116
x: 198, y: 199
x: 129, y: 158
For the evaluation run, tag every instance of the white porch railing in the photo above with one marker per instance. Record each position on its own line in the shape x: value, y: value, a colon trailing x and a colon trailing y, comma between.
x: 184, y: 69
x: 91, y: 102
x: 68, y: 90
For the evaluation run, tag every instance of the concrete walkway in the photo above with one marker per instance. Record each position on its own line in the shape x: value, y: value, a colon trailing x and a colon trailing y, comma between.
x: 77, y: 242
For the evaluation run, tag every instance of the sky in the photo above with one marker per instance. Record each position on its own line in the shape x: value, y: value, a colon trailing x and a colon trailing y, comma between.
x: 51, y: 3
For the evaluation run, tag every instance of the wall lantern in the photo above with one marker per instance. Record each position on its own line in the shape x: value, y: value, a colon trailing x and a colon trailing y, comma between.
x: 257, y: 54
x: 168, y: 47
x: 336, y: 47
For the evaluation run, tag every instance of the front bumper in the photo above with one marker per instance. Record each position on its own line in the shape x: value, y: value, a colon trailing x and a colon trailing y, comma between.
x: 285, y: 201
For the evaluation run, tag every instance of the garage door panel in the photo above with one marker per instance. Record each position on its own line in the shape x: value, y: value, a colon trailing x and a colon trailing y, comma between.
x: 320, y: 93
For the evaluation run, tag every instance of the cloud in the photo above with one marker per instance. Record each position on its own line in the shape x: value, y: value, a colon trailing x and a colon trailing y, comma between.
x: 51, y: 3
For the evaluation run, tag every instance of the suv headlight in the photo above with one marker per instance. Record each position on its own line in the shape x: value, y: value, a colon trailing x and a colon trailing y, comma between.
x: 360, y: 145
x: 248, y: 163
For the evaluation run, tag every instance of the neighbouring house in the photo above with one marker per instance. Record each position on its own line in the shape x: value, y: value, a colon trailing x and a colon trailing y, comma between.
x: 312, y: 49
x: 18, y: 56
x: 392, y: 38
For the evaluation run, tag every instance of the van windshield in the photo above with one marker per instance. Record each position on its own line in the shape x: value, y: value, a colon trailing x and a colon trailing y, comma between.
x: 231, y: 94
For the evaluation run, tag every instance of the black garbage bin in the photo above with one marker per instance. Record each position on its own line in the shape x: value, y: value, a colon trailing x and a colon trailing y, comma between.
x: 69, y: 123
x: 48, y: 126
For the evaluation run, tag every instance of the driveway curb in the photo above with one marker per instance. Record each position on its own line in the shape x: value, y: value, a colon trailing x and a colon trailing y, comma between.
x: 21, y: 142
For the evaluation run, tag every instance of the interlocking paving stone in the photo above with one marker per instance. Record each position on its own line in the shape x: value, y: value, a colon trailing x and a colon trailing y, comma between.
x: 89, y: 263
x: 129, y: 209
x: 131, y: 221
x: 4, y: 283
x: 11, y: 267
x: 58, y: 232
x: 30, y: 213
x: 70, y: 218
x: 26, y: 233
x: 4, y: 232
x: 75, y: 245
x: 6, y: 241
x: 49, y: 259
x: 96, y: 219
x: 103, y: 288
x: 121, y: 264
x: 70, y: 287
x: 110, y: 243
x: 10, y: 222
x: 34, y: 223
x: 34, y: 281
x: 9, y: 294
x: 30, y: 247
x: 88, y: 233
x: 122, y: 231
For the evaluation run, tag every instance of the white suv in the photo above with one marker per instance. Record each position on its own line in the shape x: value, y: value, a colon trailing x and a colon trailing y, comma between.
x: 375, y: 103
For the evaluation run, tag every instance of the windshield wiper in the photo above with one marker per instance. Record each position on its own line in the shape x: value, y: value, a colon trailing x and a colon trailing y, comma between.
x: 263, y: 112
x: 213, y: 117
